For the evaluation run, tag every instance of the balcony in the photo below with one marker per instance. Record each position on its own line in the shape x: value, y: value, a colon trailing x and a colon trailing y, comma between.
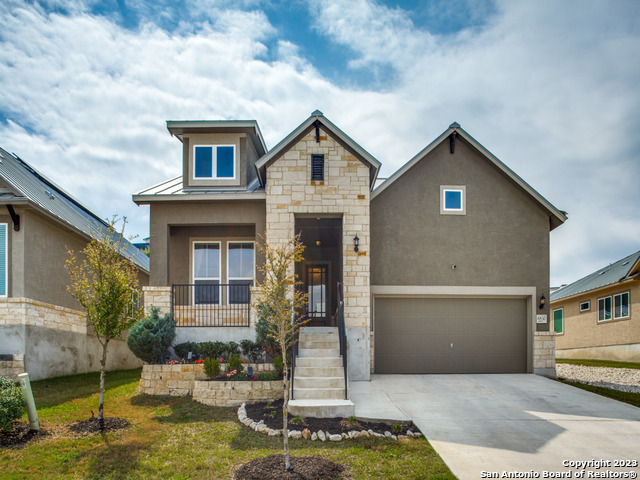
x: 211, y: 304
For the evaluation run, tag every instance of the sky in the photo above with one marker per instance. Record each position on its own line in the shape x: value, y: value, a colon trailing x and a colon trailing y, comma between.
x: 551, y: 88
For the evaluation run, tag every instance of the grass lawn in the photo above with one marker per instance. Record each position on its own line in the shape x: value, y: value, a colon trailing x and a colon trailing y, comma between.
x: 598, y: 363
x: 177, y: 438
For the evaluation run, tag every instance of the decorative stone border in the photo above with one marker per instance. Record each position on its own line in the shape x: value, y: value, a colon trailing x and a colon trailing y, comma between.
x: 234, y: 393
x: 260, y: 427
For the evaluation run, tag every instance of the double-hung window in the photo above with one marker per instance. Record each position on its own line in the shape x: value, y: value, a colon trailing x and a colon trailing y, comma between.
x: 558, y: 321
x: 241, y: 271
x: 206, y: 272
x: 604, y: 309
x: 3, y: 260
x: 214, y: 161
x: 621, y: 305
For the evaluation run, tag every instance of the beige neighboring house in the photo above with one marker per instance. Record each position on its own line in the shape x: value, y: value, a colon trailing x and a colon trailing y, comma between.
x: 598, y: 316
x: 438, y: 269
x: 42, y: 328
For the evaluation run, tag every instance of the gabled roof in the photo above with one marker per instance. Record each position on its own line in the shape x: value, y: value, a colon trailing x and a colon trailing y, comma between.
x: 26, y: 186
x: 181, y: 127
x: 620, y: 271
x: 173, y: 189
x: 331, y: 129
x: 556, y: 217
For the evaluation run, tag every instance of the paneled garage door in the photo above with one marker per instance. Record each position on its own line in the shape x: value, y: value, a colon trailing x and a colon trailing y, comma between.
x: 450, y: 335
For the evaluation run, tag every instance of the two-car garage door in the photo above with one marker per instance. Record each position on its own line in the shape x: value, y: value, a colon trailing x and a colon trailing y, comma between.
x: 450, y: 335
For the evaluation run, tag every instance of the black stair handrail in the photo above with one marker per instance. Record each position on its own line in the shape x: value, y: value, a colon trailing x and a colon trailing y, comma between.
x: 342, y: 336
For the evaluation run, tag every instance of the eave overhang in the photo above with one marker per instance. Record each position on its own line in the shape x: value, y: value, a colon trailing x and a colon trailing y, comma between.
x: 179, y: 128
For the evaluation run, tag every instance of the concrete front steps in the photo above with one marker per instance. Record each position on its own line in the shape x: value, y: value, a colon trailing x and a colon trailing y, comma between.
x: 319, y: 377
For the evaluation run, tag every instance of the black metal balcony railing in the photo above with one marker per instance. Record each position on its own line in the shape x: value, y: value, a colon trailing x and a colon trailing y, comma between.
x: 211, y: 304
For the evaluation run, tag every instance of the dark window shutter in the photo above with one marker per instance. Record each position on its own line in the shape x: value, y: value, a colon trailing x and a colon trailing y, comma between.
x: 317, y: 167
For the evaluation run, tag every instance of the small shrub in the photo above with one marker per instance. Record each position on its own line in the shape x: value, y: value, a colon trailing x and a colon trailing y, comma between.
x: 278, y: 365
x: 212, y: 367
x: 263, y: 330
x: 232, y: 348
x: 252, y: 350
x: 150, y: 337
x: 270, y: 376
x: 182, y: 350
x: 11, y: 403
x: 215, y: 349
x: 234, y: 362
x: 396, y: 428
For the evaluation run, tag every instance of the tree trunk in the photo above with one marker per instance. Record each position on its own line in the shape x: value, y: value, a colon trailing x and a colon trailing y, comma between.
x: 285, y: 404
x: 103, y: 368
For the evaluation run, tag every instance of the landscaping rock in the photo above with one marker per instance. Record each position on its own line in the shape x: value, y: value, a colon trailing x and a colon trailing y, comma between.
x: 296, y: 434
x: 345, y: 436
x: 322, y: 436
x: 314, y: 436
x: 306, y: 434
x: 354, y: 434
x: 393, y: 437
x: 274, y: 433
x: 335, y: 438
x: 379, y: 435
x: 387, y: 434
x: 409, y: 433
x: 371, y: 433
x: 365, y: 434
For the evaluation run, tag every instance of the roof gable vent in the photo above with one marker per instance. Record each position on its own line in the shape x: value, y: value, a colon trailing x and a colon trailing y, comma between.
x: 317, y: 167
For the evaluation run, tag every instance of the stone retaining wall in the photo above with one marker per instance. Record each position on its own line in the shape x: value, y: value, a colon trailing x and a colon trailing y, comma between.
x: 232, y: 394
x: 178, y: 380
x: 544, y: 354
x: 25, y: 311
x: 12, y: 368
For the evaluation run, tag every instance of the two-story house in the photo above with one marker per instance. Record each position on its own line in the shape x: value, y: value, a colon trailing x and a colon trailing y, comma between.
x: 442, y: 268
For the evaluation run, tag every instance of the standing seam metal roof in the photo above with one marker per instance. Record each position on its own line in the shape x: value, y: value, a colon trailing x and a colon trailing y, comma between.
x: 30, y: 186
x: 609, y: 275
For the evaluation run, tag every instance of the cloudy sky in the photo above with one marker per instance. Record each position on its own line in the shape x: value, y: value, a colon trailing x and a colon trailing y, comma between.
x: 551, y: 88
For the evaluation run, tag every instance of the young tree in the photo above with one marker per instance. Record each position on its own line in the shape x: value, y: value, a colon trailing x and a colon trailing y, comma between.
x: 278, y: 295
x: 105, y: 283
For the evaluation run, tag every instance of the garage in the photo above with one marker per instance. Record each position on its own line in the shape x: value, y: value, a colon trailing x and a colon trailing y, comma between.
x: 450, y: 335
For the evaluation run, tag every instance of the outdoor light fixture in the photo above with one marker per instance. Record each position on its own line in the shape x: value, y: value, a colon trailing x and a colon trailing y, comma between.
x: 543, y: 300
x: 356, y: 243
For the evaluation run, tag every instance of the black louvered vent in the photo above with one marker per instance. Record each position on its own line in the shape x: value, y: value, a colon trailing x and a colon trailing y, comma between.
x: 317, y: 167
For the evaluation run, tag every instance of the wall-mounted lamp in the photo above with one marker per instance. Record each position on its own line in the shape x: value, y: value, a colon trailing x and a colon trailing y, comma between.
x: 356, y: 243
x: 543, y: 300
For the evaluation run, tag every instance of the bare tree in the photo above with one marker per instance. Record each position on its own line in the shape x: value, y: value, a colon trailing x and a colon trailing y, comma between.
x: 105, y: 283
x: 282, y: 304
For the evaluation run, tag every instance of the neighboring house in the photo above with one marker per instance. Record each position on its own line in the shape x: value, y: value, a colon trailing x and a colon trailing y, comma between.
x: 441, y: 267
x: 42, y: 328
x: 598, y: 316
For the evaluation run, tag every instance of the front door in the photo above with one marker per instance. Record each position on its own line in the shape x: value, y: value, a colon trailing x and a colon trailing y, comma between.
x: 317, y: 288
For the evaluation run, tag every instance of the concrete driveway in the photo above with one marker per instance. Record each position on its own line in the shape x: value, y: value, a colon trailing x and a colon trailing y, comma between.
x: 512, y: 423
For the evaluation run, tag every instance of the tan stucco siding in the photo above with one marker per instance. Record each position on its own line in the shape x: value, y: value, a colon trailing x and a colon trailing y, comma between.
x: 175, y: 225
x: 582, y: 329
x: 43, y: 245
x: 502, y: 240
x: 239, y: 140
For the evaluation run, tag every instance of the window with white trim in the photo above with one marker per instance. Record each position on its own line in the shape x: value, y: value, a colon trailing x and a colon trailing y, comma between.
x: 3, y: 259
x: 621, y: 305
x: 206, y: 273
x: 214, y: 161
x: 558, y: 321
x: 585, y: 306
x: 240, y: 271
x: 604, y: 309
x: 452, y: 200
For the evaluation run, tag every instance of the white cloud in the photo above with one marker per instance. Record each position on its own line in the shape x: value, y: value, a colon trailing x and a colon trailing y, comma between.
x: 551, y: 89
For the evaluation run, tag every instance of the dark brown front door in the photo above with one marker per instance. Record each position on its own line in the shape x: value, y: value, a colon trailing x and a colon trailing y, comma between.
x: 318, y: 291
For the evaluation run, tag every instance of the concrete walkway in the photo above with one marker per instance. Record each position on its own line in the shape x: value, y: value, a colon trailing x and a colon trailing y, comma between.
x: 512, y: 423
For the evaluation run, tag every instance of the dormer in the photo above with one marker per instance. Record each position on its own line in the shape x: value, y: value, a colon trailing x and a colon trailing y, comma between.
x: 218, y: 154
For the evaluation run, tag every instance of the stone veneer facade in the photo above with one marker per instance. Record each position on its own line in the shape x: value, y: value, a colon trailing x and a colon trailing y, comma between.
x: 12, y: 368
x: 344, y: 191
x: 544, y: 354
x: 159, y: 297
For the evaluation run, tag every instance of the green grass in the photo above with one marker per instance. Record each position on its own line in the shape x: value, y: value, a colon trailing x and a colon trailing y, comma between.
x: 626, y: 397
x: 598, y: 363
x: 177, y: 438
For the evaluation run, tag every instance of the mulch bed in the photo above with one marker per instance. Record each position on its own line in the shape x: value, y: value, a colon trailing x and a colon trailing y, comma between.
x: 20, y: 435
x: 260, y: 411
x: 304, y: 468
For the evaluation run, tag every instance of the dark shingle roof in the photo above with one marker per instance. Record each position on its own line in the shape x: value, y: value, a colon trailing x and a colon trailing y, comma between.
x: 31, y: 187
x: 603, y: 277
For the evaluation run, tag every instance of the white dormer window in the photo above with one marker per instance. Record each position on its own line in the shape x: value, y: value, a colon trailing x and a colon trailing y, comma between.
x: 214, y: 161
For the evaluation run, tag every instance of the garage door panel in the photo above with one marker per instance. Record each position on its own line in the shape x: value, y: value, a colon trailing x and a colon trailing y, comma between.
x: 415, y: 335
